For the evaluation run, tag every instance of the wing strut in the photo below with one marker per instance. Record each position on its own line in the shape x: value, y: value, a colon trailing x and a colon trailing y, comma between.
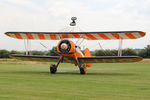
x: 27, y: 45
x: 120, y: 47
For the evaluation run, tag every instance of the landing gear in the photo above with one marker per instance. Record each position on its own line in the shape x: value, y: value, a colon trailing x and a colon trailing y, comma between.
x: 82, y: 69
x: 53, y: 69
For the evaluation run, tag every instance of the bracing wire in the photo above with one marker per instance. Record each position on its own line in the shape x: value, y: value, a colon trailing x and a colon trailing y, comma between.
x: 81, y: 41
x: 100, y: 45
x: 48, y: 48
x: 43, y: 45
x: 80, y: 36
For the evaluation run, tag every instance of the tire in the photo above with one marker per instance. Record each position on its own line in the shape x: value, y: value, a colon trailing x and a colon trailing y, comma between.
x: 82, y: 69
x: 53, y: 69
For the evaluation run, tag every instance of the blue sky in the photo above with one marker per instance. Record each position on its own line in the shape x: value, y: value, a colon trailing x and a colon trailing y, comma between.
x: 93, y: 15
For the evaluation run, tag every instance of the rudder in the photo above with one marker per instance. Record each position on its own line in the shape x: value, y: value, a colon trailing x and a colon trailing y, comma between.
x: 87, y: 53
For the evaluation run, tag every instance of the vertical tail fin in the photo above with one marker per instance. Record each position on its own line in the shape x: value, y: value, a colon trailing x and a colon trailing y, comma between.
x: 87, y: 53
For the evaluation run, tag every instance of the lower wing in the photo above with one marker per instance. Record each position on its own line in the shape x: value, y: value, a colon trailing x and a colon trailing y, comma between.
x: 110, y: 59
x: 97, y: 59
x: 40, y: 58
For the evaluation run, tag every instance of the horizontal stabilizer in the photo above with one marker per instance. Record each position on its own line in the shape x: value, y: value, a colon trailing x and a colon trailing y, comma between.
x: 110, y: 59
x: 86, y: 35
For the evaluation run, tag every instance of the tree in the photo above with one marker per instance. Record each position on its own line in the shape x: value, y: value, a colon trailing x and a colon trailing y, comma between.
x: 100, y: 53
x: 53, y: 52
x: 145, y: 52
x: 92, y: 53
x: 114, y: 52
x: 111, y: 52
x: 106, y: 52
x: 125, y: 52
x: 16, y: 52
x: 38, y: 53
x: 4, y: 54
x: 129, y: 52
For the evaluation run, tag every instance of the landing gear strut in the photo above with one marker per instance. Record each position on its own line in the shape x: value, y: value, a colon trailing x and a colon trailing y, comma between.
x: 53, y: 67
x: 82, y: 67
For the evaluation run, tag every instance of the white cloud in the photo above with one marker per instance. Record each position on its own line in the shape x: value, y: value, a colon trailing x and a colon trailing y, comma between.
x: 66, y: 7
x: 52, y: 15
x: 26, y: 3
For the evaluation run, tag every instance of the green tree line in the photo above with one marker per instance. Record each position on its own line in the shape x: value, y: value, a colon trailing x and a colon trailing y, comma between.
x: 6, y: 54
x: 145, y: 52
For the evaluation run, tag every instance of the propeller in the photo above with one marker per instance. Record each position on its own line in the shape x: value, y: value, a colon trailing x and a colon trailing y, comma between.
x: 64, y: 46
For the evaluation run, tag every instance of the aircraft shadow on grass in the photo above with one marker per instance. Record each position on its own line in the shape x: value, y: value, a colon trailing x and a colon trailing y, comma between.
x: 70, y: 73
x: 101, y: 74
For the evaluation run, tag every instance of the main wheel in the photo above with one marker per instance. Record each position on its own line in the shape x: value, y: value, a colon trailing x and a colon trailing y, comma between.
x: 82, y: 69
x: 53, y: 69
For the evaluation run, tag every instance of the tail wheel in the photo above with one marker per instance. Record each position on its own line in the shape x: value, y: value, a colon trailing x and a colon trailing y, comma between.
x: 82, y: 69
x: 53, y: 69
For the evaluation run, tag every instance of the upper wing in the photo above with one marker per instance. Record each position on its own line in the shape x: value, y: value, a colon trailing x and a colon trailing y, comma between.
x: 109, y: 59
x: 85, y: 35
x: 40, y: 58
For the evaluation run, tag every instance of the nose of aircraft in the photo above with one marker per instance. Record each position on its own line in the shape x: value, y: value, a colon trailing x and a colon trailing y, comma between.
x: 64, y: 46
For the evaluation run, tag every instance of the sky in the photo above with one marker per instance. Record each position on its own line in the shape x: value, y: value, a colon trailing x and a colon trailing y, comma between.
x: 92, y: 15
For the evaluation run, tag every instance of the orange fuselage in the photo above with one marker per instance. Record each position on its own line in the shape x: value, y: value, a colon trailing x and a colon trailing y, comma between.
x: 67, y: 48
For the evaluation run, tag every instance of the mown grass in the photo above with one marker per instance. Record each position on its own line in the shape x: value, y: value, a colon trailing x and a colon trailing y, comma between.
x: 129, y: 81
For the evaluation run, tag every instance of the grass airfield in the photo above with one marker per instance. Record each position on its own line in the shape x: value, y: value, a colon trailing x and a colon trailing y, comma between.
x: 120, y: 81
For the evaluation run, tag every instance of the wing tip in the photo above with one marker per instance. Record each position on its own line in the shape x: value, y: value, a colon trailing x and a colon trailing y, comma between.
x: 139, y: 59
x: 7, y: 33
x: 142, y: 33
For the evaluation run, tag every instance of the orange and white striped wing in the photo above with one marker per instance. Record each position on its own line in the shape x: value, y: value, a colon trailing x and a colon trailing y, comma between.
x: 115, y: 35
x: 85, y: 35
x: 33, y: 36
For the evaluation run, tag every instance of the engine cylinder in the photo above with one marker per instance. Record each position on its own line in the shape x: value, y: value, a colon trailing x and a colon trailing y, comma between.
x: 65, y: 47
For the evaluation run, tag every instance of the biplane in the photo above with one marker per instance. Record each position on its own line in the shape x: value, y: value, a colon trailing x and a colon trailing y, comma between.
x: 71, y: 53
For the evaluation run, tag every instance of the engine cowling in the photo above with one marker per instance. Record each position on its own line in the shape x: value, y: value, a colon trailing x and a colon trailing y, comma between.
x: 65, y: 47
